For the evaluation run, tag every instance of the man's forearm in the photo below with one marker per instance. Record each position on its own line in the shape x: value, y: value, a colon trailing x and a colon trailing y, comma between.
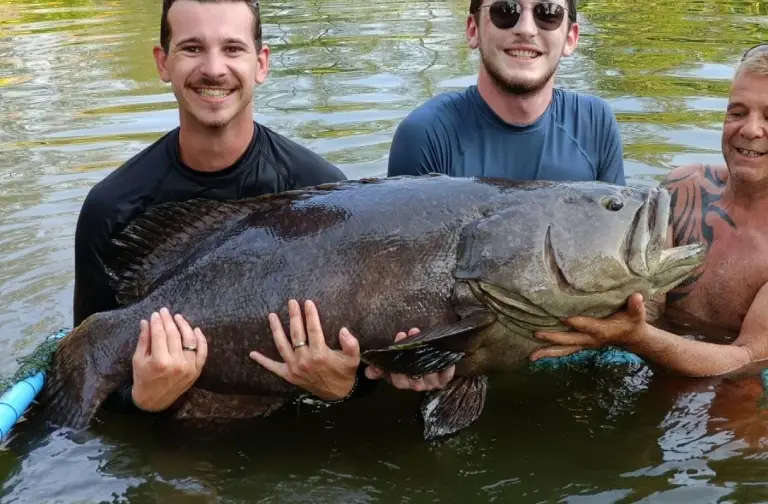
x: 689, y: 357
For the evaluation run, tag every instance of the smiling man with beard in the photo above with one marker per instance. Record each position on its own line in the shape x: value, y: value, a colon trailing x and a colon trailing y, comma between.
x: 212, y: 55
x: 514, y: 123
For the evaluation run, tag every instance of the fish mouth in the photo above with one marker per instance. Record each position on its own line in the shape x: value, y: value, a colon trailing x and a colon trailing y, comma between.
x: 647, y: 234
x: 645, y: 247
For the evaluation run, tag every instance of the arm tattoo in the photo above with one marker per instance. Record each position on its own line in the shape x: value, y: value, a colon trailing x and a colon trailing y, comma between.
x: 693, y: 199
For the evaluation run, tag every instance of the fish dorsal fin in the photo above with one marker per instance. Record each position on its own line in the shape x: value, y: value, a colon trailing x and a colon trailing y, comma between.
x: 167, y: 235
x: 155, y: 243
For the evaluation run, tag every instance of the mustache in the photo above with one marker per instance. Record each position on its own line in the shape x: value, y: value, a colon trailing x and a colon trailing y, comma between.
x: 212, y: 83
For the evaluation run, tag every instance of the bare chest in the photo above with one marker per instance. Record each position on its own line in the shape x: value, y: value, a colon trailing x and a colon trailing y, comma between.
x: 736, y: 268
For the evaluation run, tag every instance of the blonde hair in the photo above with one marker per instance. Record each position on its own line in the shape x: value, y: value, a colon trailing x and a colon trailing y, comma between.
x: 756, y: 63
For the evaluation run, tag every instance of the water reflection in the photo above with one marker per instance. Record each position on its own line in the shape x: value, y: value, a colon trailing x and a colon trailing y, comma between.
x: 79, y: 95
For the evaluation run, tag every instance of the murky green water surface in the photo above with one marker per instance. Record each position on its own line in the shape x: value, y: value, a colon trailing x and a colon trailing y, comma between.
x: 79, y: 95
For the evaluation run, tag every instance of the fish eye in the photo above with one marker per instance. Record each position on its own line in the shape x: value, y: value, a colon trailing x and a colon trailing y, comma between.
x: 613, y: 204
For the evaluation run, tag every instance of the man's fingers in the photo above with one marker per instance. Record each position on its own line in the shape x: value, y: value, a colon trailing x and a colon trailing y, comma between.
x: 279, y: 368
x: 173, y: 337
x: 636, y: 306
x: 402, y: 335
x: 188, y: 337
x: 567, y: 338
x: 350, y: 347
x: 431, y: 381
x: 446, y: 375
x: 400, y: 381
x: 142, y: 346
x: 202, y: 348
x: 281, y: 341
x: 315, y: 337
x: 559, y: 351
x: 373, y: 373
x: 296, y: 323
x: 159, y: 340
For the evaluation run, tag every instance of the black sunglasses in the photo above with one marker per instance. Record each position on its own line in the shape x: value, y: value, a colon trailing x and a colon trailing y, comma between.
x: 759, y: 48
x: 505, y: 14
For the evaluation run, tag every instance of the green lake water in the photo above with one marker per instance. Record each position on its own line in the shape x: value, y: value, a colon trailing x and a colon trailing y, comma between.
x: 79, y: 95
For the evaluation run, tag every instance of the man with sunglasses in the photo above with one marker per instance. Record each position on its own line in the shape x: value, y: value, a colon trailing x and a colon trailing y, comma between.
x: 723, y: 207
x: 514, y: 123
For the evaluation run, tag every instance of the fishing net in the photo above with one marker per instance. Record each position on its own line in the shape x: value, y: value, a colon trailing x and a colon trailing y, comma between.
x: 39, y: 360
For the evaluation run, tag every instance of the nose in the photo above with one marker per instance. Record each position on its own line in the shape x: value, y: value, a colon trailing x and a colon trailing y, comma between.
x: 756, y: 126
x: 214, y: 64
x: 526, y: 26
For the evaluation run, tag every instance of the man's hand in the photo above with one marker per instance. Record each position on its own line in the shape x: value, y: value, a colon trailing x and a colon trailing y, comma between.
x: 401, y: 381
x: 621, y: 329
x: 308, y: 362
x: 169, y: 358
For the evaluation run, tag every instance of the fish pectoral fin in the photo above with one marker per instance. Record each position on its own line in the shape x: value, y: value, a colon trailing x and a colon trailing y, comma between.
x: 417, y: 355
x: 453, y: 408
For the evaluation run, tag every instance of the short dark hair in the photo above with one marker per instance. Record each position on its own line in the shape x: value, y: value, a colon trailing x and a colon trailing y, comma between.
x: 474, y: 7
x: 165, y: 28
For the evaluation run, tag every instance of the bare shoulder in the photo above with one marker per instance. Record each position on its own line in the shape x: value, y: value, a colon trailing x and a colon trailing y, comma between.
x: 697, y: 174
x: 695, y: 192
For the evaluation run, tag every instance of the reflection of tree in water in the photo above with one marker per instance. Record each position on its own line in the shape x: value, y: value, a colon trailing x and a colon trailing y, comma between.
x: 648, y: 38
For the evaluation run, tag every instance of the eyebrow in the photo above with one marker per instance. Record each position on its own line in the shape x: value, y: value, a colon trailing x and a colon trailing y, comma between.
x: 198, y: 40
x: 189, y: 40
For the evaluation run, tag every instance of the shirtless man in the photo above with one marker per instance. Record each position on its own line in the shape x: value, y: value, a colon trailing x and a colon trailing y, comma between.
x: 723, y: 207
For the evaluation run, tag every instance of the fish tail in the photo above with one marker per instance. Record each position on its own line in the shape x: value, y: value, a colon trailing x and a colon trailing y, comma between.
x: 74, y: 389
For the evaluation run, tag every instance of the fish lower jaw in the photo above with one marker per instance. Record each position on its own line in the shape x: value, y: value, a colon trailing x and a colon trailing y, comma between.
x: 684, y: 255
x: 677, y: 264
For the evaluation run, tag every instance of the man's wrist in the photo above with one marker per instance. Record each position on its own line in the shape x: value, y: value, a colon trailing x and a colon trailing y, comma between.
x: 349, y: 394
x: 139, y: 400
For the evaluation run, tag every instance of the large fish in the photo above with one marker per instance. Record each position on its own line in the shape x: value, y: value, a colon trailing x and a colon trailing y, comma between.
x: 477, y: 264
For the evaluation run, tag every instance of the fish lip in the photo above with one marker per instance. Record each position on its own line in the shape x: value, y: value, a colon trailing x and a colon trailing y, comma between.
x: 682, y: 258
x: 682, y: 255
x: 658, y: 215
x: 676, y: 264
x: 646, y: 236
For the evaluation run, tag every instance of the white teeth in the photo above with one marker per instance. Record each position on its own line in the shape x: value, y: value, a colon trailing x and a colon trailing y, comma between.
x: 214, y: 93
x: 522, y: 54
x: 749, y: 153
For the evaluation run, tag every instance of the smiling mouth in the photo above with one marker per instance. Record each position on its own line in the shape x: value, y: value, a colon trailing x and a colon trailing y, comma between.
x: 520, y: 53
x: 214, y: 92
x: 749, y: 153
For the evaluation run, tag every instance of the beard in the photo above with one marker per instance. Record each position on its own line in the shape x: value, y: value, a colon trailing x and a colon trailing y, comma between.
x: 510, y: 85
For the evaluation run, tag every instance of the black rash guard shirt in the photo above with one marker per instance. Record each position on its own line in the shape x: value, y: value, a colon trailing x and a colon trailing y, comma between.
x: 272, y: 163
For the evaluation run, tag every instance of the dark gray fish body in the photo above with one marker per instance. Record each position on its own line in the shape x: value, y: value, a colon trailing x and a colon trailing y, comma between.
x: 478, y: 265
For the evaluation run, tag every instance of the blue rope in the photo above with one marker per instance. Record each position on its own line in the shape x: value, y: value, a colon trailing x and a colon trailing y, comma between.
x: 608, y: 357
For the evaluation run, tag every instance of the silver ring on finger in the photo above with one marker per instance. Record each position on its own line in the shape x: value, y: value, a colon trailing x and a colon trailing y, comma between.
x: 297, y: 345
x: 189, y: 347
